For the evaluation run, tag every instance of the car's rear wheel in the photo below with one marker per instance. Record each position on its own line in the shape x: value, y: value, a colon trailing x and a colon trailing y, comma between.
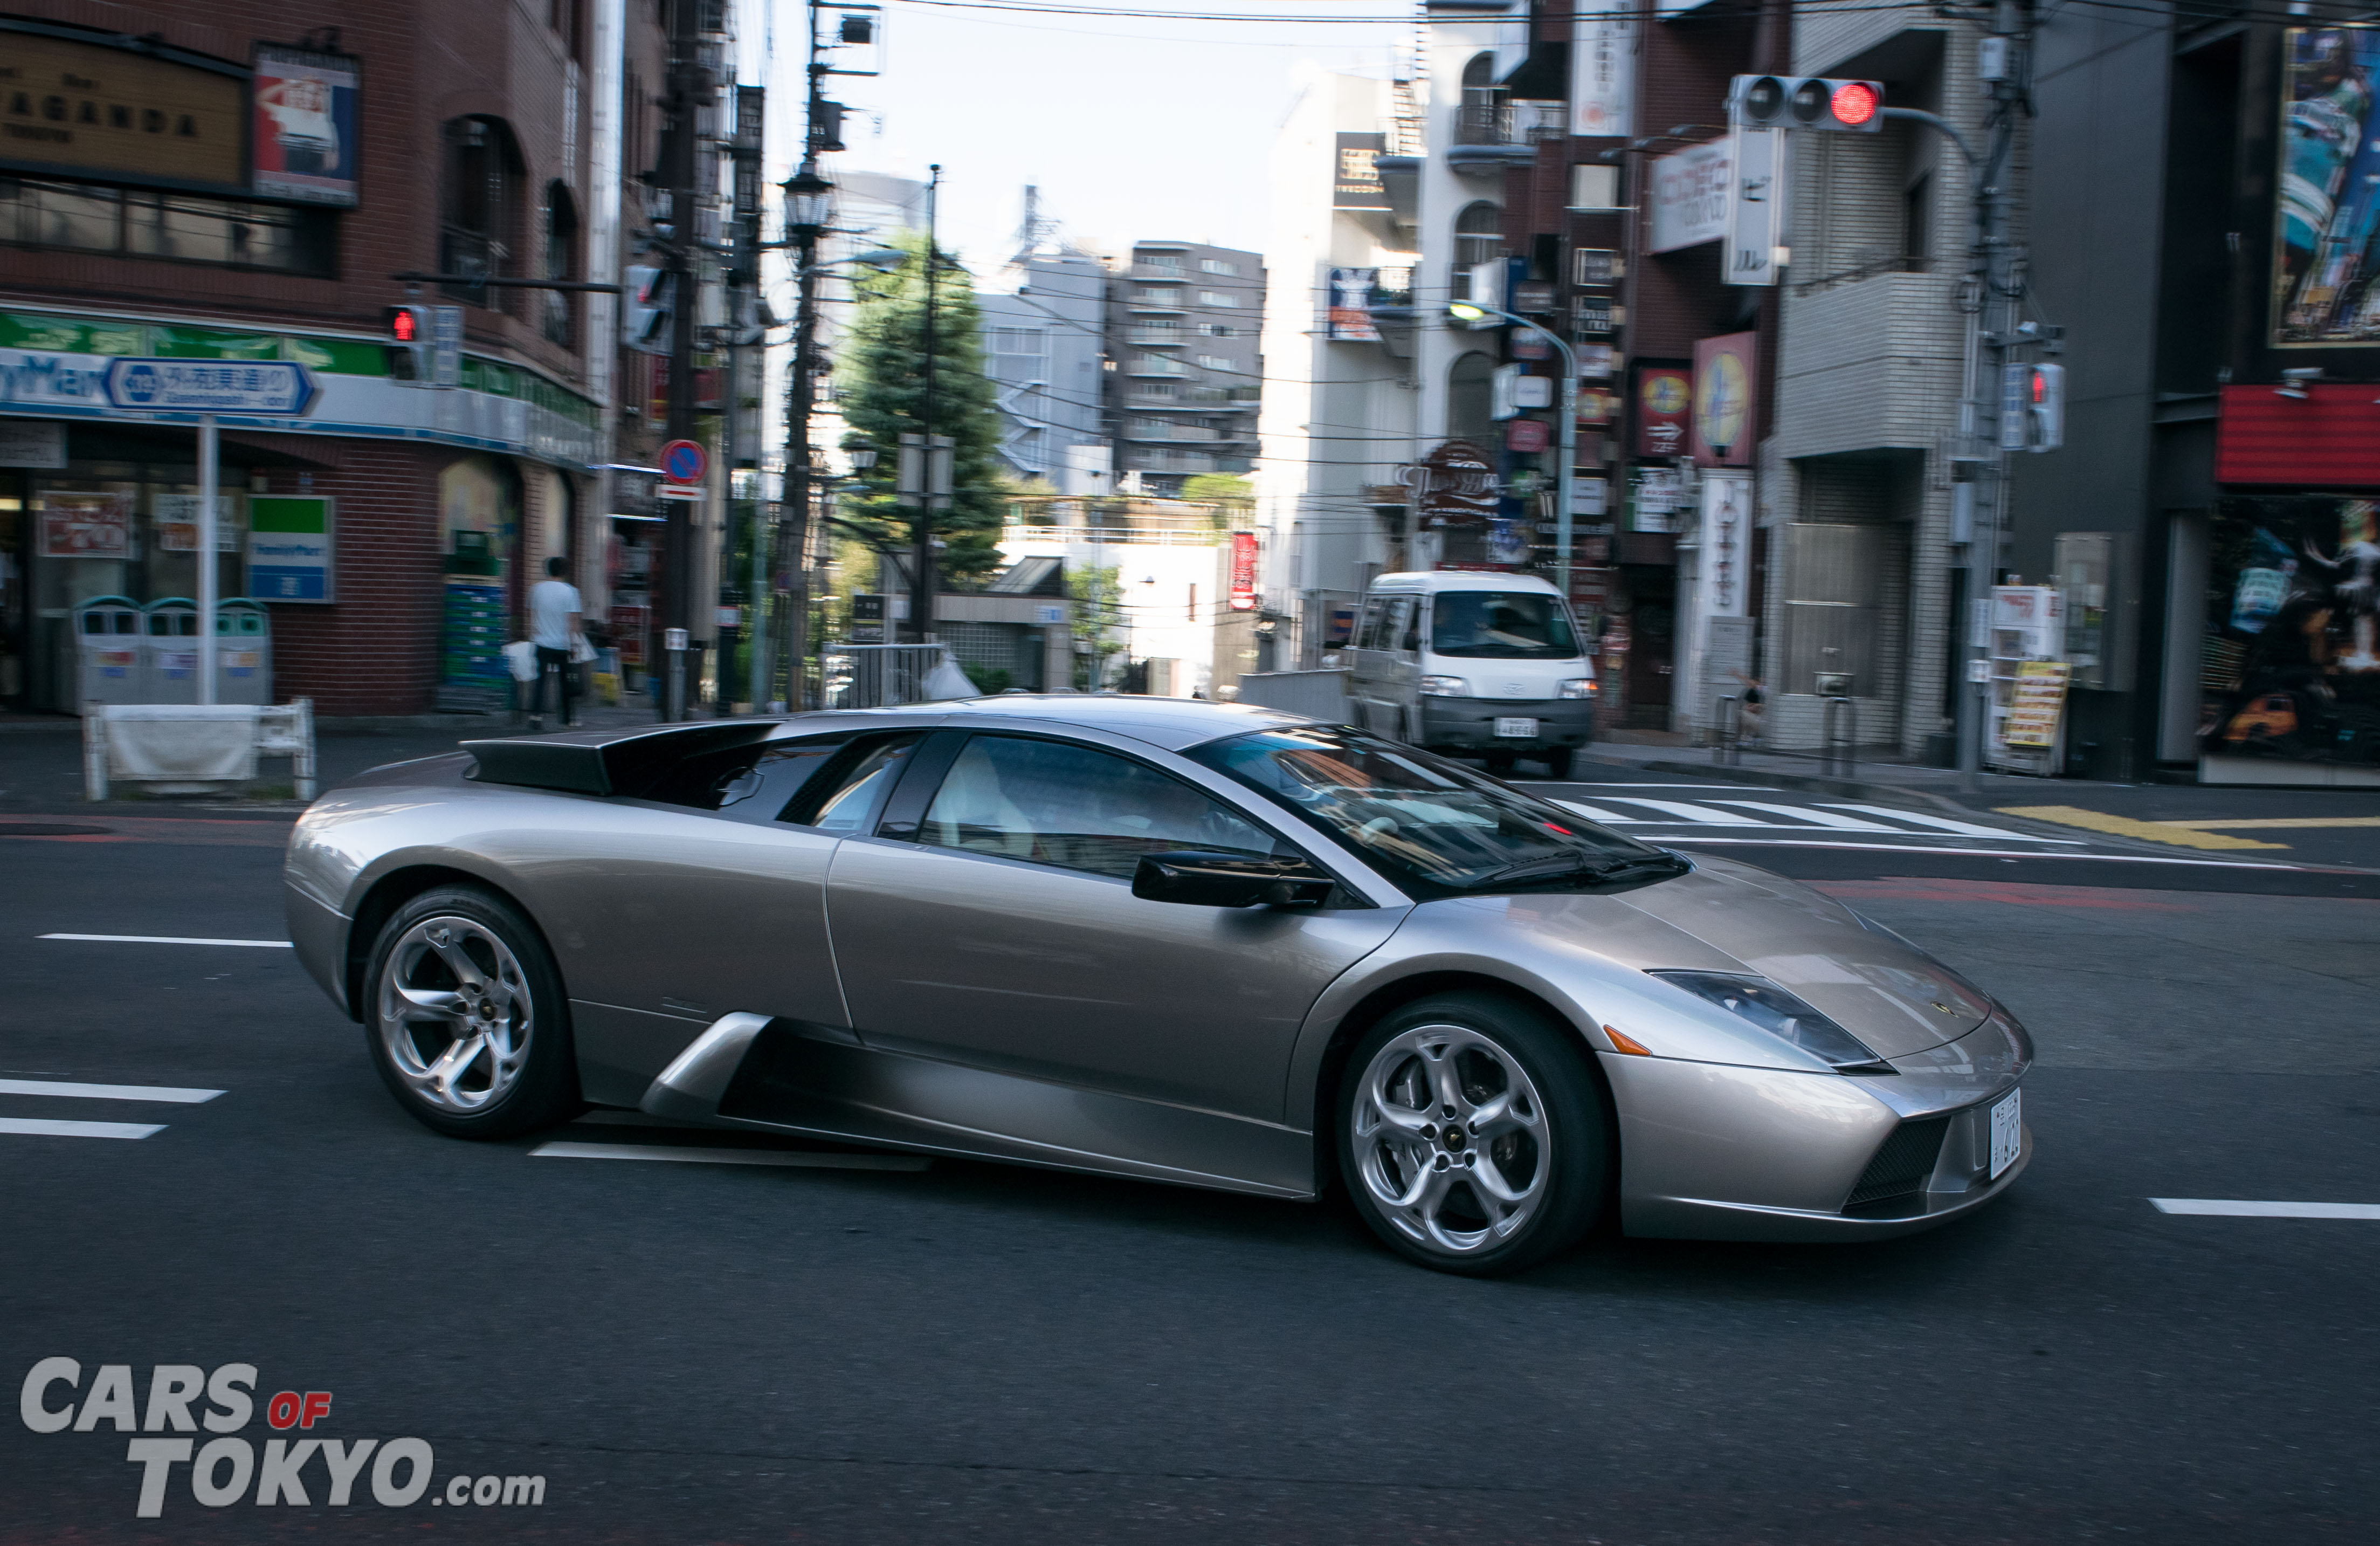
x: 465, y: 1019
x: 1472, y: 1136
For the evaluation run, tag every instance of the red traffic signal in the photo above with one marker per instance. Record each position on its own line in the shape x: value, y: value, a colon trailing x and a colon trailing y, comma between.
x: 1855, y: 103
x: 1806, y: 102
x: 404, y: 325
x: 408, y: 337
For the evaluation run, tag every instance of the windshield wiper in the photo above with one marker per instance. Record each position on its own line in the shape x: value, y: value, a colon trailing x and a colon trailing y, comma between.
x: 1579, y: 864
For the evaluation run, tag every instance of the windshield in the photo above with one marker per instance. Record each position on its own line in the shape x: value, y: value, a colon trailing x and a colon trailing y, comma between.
x: 1433, y: 826
x: 1501, y: 625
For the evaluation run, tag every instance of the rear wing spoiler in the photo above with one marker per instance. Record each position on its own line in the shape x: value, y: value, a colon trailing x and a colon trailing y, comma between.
x: 623, y: 764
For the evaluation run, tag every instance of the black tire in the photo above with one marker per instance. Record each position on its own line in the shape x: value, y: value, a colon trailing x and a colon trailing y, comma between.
x: 1566, y: 1159
x: 524, y: 1076
x: 1557, y: 761
x: 1499, y: 763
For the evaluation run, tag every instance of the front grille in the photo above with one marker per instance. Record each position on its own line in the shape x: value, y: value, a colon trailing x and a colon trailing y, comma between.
x: 1899, y: 1172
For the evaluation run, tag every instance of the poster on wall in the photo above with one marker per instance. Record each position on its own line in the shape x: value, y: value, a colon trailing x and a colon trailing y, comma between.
x: 1243, y: 571
x: 2327, y: 248
x: 2291, y: 654
x: 1350, y: 306
x: 1664, y: 398
x: 174, y: 518
x: 1355, y: 172
x: 303, y: 140
x: 1603, y: 69
x: 85, y: 524
x: 1722, y: 418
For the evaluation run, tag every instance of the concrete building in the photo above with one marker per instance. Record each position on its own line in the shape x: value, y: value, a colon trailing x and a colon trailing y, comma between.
x: 1044, y: 324
x: 1338, y: 416
x: 1182, y: 325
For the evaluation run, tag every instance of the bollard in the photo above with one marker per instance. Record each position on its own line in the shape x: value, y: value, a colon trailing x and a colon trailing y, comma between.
x: 674, y: 705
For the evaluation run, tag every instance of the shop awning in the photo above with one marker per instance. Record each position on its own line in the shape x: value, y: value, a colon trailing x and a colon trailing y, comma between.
x: 2330, y: 439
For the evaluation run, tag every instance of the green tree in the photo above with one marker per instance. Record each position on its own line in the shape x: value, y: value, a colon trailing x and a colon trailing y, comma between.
x: 1222, y: 487
x: 1099, y: 608
x: 881, y: 387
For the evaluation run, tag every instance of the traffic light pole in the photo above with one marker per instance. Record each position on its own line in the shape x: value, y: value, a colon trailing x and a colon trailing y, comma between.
x: 690, y: 84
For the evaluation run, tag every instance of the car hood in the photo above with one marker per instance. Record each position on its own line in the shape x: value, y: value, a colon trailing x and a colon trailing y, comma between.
x: 1726, y: 917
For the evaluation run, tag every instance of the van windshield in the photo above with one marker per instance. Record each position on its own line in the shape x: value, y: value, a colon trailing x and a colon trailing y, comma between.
x: 1501, y: 625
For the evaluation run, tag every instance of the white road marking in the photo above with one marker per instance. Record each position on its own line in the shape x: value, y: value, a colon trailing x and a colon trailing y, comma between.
x: 1702, y: 815
x: 1944, y: 823
x: 1815, y: 816
x: 1971, y: 853
x: 2226, y: 1208
x: 168, y: 939
x: 1596, y: 813
x: 36, y: 1126
x: 107, y: 1091
x: 728, y: 1156
x: 1742, y: 788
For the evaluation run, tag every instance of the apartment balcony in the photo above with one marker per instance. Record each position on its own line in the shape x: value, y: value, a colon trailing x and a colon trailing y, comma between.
x: 1163, y: 336
x: 1159, y: 300
x: 1160, y: 274
x: 1155, y: 365
x: 1153, y: 433
x: 1199, y: 399
x: 1490, y: 136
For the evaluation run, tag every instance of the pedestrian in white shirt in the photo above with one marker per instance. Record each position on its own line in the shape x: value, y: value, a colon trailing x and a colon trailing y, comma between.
x: 555, y: 617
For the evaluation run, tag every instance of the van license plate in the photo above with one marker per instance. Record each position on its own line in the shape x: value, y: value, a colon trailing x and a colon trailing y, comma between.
x: 1527, y: 727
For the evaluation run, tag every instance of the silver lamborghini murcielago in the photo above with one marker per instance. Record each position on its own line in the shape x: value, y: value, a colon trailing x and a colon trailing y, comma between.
x: 1188, y: 941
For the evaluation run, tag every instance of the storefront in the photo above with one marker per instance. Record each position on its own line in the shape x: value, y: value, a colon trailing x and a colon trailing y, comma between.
x: 357, y: 510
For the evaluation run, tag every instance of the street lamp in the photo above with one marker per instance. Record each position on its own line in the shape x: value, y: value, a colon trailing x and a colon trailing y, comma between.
x: 810, y: 204
x: 1565, y: 472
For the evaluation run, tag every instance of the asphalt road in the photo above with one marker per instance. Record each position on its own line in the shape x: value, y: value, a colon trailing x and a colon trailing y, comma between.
x: 693, y: 1352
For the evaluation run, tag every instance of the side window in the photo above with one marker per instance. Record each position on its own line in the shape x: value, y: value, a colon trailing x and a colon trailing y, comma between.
x: 723, y: 781
x: 1367, y: 627
x: 1405, y: 624
x: 1076, y: 809
x: 845, y: 794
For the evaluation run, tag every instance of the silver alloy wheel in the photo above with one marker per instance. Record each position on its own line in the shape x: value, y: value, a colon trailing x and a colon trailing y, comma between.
x: 1451, y: 1139
x: 455, y: 1014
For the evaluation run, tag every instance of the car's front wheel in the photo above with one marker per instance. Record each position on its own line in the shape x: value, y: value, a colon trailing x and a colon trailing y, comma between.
x: 465, y: 1019
x: 1472, y: 1136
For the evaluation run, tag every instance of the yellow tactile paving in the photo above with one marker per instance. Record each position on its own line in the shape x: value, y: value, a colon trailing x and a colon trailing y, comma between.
x: 2124, y: 826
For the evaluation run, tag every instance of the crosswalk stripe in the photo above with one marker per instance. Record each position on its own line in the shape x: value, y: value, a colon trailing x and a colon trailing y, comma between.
x: 1701, y: 815
x: 1819, y: 817
x: 36, y: 1127
x: 2226, y: 1208
x: 1944, y: 823
x: 107, y: 1091
x: 1596, y: 813
x: 168, y: 939
x: 802, y: 1158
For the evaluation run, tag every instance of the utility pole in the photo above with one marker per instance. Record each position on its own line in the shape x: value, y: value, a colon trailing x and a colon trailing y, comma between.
x: 936, y: 492
x: 806, y: 212
x: 690, y: 92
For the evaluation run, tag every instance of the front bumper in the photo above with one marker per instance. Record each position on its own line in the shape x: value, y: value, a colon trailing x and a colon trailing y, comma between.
x: 1469, y: 723
x: 318, y: 935
x: 1715, y: 1152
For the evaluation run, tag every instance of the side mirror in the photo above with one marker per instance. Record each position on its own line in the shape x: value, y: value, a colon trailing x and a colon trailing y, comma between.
x: 1207, y: 879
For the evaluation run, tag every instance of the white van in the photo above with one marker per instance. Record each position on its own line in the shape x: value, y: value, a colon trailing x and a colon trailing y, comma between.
x: 1476, y: 664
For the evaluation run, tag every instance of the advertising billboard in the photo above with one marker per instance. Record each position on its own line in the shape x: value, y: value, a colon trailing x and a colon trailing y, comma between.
x: 1603, y: 68
x: 1355, y: 172
x: 1350, y: 306
x: 1664, y: 399
x: 77, y: 109
x: 304, y: 136
x: 2326, y: 247
x: 1243, y: 571
x: 1690, y: 195
x: 1723, y: 428
x: 2291, y: 653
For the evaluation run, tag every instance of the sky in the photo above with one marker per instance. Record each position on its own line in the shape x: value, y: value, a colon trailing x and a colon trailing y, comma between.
x: 1133, y: 129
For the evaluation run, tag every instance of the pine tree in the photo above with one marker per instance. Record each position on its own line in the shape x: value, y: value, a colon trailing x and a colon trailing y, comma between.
x: 881, y: 388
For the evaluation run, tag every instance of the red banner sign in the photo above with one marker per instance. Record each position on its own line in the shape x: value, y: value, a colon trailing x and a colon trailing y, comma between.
x: 1243, y: 571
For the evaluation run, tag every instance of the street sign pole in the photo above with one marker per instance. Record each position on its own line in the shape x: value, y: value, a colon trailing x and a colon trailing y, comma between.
x: 208, y: 453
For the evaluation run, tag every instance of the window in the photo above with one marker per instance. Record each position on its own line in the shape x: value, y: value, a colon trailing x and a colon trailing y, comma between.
x: 1594, y: 187
x: 1048, y: 802
x: 1216, y: 329
x: 184, y: 227
x: 1470, y: 400
x: 561, y: 259
x: 1156, y: 298
x: 1020, y: 340
x: 1152, y: 429
x: 1216, y: 266
x: 1218, y: 298
x: 1501, y: 625
x: 1169, y: 263
x: 1216, y: 363
x: 476, y: 201
x: 846, y: 795
x: 1479, y: 238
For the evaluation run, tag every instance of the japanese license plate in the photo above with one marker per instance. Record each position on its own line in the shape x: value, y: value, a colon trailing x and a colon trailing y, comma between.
x: 2007, y: 1130
x: 1508, y: 726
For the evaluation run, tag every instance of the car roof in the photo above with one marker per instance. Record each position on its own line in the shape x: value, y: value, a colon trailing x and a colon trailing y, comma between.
x: 1172, y: 722
x: 1462, y: 580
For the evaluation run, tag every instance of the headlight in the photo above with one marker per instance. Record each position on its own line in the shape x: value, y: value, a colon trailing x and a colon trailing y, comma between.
x: 1579, y: 687
x: 1782, y: 1015
x: 1445, y: 687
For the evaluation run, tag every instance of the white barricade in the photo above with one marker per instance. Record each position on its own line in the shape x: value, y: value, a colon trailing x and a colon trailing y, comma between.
x: 179, y: 748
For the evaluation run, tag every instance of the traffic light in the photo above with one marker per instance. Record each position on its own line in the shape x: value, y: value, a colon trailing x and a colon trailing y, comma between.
x: 2046, y: 407
x: 1806, y: 102
x: 407, y: 331
x: 645, y: 314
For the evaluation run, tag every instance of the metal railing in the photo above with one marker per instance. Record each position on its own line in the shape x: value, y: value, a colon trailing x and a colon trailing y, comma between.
x: 877, y: 676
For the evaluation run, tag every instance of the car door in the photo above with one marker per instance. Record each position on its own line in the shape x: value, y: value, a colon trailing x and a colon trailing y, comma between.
x: 991, y: 921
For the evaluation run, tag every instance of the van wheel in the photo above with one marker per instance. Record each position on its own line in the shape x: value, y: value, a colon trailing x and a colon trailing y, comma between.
x: 1499, y: 763
x: 1558, y: 760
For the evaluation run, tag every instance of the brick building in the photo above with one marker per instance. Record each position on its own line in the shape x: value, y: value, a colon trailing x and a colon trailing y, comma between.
x: 219, y: 187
